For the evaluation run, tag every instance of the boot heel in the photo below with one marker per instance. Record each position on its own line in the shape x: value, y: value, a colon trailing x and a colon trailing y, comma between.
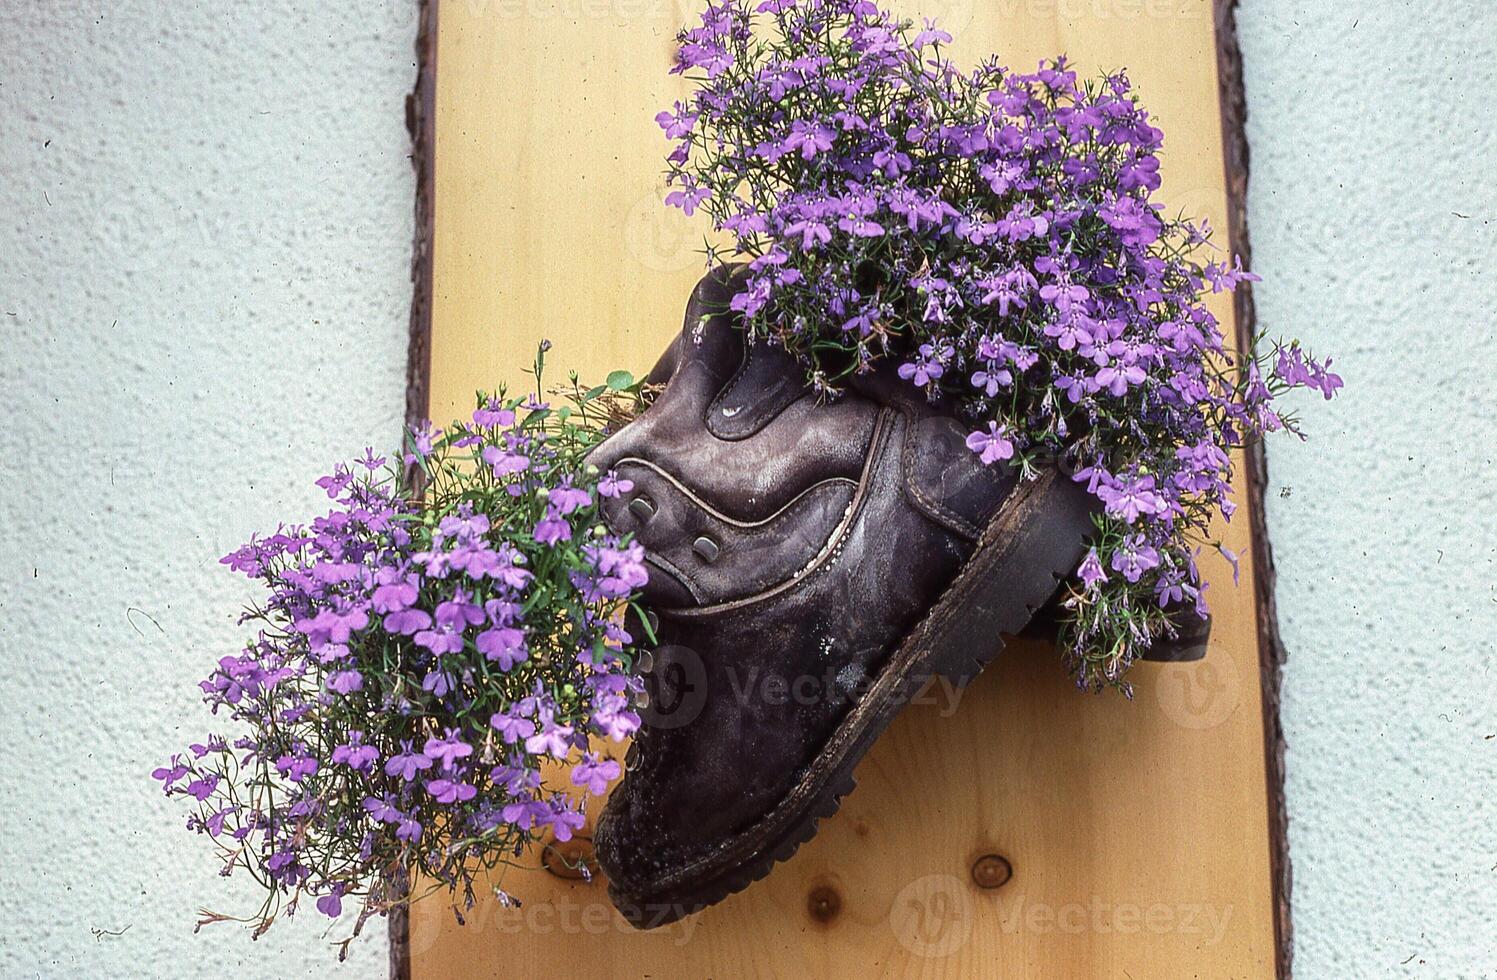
x: 1190, y: 643
x: 1036, y: 539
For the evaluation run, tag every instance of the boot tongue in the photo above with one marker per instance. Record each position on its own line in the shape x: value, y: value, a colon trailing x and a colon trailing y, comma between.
x: 767, y: 382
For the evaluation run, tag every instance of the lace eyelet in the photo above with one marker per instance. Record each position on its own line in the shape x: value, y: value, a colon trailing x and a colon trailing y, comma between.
x: 706, y: 549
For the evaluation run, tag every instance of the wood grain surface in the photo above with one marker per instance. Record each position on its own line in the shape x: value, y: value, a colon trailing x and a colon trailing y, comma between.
x: 1137, y: 833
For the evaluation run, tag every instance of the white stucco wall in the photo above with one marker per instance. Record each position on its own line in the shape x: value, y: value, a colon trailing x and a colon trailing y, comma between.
x: 205, y: 221
x: 1373, y: 213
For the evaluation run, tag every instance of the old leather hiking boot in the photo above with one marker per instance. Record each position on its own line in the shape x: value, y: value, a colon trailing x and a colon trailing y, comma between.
x: 812, y: 566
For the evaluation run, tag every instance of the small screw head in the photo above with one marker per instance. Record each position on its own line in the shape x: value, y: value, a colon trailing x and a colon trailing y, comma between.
x: 571, y: 860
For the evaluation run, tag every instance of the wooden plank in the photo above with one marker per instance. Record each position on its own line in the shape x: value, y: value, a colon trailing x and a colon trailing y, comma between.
x: 1137, y: 833
x: 1271, y: 652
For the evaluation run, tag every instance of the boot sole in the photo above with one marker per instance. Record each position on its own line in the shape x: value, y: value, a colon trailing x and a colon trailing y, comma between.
x: 1037, y: 538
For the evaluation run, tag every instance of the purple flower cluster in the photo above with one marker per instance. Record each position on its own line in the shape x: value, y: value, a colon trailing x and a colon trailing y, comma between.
x: 994, y: 235
x: 419, y: 658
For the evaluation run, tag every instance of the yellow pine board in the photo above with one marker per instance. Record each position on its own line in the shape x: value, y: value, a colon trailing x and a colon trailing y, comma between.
x: 1137, y: 831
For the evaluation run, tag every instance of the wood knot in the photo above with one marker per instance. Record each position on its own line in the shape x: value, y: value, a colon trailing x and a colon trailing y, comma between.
x: 991, y: 871
x: 823, y: 903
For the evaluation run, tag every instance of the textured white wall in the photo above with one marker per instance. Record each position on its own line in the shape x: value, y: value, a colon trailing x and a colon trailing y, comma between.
x: 1373, y: 213
x: 205, y: 219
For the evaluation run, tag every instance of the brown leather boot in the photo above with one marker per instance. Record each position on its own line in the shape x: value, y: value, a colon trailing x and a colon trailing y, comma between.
x: 812, y: 566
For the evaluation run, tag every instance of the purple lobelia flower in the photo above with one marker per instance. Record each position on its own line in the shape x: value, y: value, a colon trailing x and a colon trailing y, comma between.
x: 567, y: 499
x: 294, y: 767
x: 355, y: 754
x: 407, y: 621
x: 511, y: 728
x: 505, y: 645
x: 612, y: 485
x: 552, y: 529
x: 407, y: 764
x: 345, y: 681
x: 382, y: 810
x: 595, y: 774
x: 1131, y: 499
x: 552, y: 739
x: 458, y: 613
x: 493, y: 414
x: 439, y: 682
x: 450, y: 791
x: 426, y: 646
x: 992, y: 445
x: 1135, y: 558
x: 994, y: 234
x: 1091, y: 571
x: 395, y: 591
x: 447, y: 750
x: 171, y: 773
x: 562, y: 818
x: 441, y: 639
